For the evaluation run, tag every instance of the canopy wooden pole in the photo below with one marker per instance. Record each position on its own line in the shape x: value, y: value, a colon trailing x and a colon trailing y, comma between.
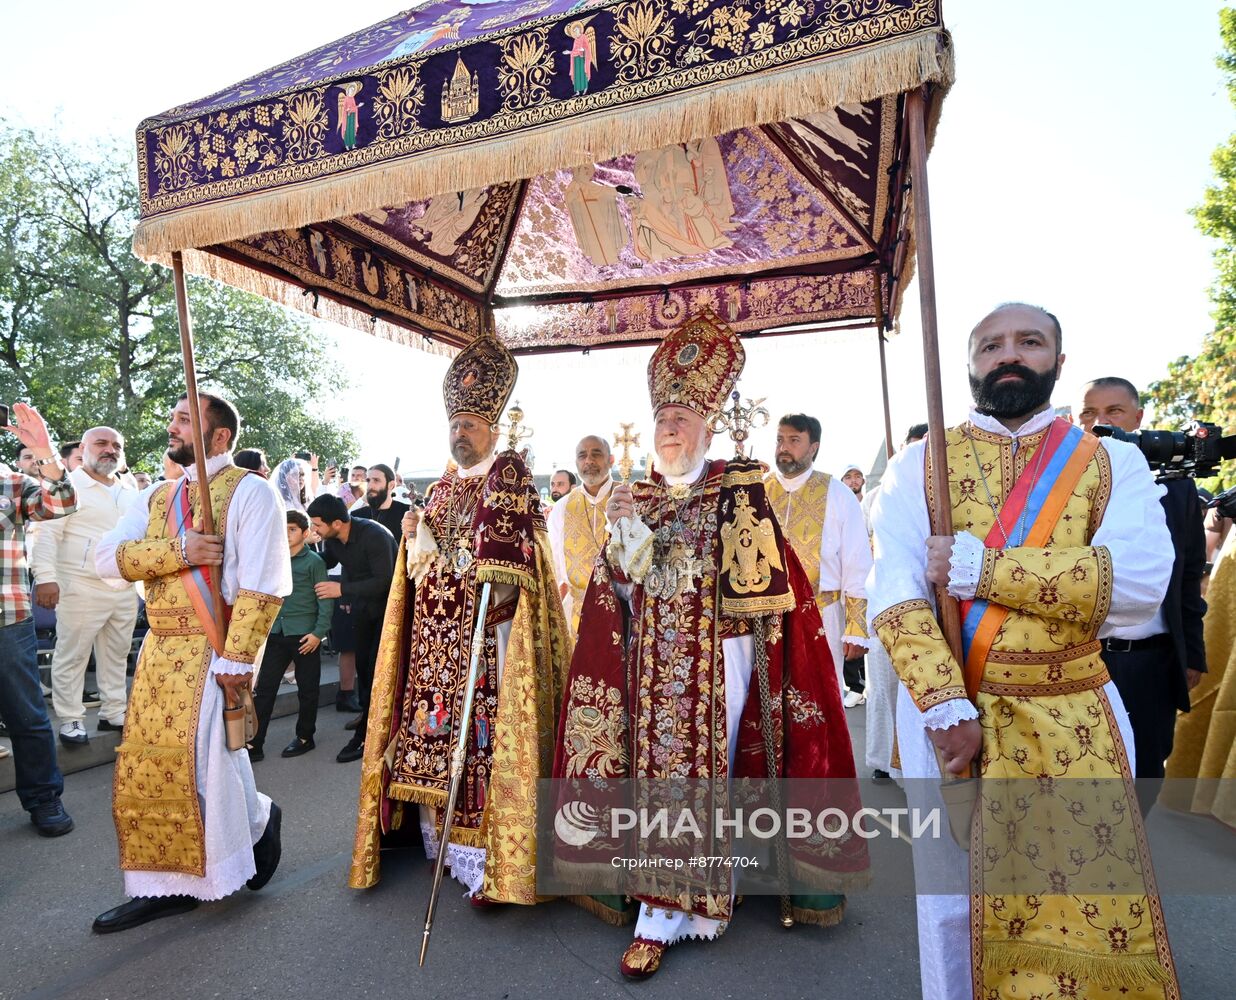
x: 206, y: 521
x: 878, y: 292
x: 942, y: 517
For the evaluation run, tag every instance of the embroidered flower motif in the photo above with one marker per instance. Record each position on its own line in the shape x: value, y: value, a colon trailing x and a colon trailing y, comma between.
x: 1118, y: 938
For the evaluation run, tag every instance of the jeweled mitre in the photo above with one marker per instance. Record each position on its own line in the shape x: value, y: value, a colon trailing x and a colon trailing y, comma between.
x: 480, y: 380
x: 696, y: 366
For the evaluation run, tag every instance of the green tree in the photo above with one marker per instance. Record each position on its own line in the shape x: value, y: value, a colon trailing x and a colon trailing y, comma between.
x: 1204, y: 386
x: 88, y: 332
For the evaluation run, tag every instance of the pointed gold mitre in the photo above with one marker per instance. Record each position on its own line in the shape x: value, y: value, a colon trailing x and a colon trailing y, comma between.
x: 696, y: 366
x: 480, y: 380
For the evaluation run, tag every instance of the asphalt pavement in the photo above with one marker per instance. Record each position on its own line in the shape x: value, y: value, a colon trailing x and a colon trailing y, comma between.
x: 308, y: 936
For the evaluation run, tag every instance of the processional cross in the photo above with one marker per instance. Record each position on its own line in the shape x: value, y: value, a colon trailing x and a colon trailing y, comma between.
x: 516, y: 432
x: 738, y: 420
x: 626, y: 441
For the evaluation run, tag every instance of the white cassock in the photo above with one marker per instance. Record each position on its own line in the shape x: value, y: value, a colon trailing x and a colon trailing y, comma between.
x: 555, y: 527
x: 845, y: 559
x: 467, y: 864
x: 880, y: 710
x: 234, y: 812
x: 1135, y: 533
x: 669, y: 926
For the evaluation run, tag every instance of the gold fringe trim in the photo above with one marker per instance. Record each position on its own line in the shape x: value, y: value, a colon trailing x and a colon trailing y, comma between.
x: 1128, y: 971
x: 615, y: 918
x: 809, y: 879
x: 285, y: 293
x: 775, y: 95
x: 416, y: 793
x: 504, y: 574
x: 819, y: 918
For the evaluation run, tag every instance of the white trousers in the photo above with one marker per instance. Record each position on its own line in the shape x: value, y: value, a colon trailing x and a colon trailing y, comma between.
x: 92, y: 617
x: 944, y: 919
x: 834, y: 629
x: 882, y: 686
x: 669, y: 926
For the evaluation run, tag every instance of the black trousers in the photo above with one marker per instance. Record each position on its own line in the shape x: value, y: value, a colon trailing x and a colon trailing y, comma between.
x: 1144, y: 679
x: 368, y: 632
x: 280, y: 651
x: 854, y: 673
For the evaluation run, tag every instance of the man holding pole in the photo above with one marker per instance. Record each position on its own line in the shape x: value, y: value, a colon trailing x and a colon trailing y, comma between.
x: 192, y: 825
x: 1059, y: 538
x: 481, y: 535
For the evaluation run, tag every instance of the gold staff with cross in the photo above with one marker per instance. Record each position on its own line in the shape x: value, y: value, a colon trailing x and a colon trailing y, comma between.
x: 626, y: 441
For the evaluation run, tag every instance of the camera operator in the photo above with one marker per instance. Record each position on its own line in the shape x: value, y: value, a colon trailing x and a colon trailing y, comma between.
x: 1155, y: 664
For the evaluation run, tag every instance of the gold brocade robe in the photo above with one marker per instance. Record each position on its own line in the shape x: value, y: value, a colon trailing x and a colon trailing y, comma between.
x: 584, y: 534
x: 1091, y: 923
x: 487, y: 529
x: 155, y: 801
x: 801, y: 515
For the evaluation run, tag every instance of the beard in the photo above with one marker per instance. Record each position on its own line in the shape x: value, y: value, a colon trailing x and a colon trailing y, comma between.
x: 555, y: 496
x: 102, y: 466
x: 1012, y: 399
x: 790, y: 468
x: 594, y: 479
x: 180, y: 452
x: 466, y: 456
x: 687, y: 460
x: 376, y: 498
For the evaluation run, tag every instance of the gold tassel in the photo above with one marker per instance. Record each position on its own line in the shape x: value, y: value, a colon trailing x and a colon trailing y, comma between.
x: 1112, y: 971
x: 435, y: 797
x: 820, y: 918
x: 773, y: 95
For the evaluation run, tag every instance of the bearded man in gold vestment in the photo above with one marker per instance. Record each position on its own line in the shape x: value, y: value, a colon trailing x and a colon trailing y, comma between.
x: 1059, y: 538
x: 576, y: 525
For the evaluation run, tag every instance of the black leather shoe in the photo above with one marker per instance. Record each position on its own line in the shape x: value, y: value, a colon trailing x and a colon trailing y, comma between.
x: 255, y: 754
x: 297, y: 747
x: 50, y: 819
x: 353, y: 750
x: 141, y: 910
x: 880, y: 777
x: 267, y: 851
x: 346, y: 701
x: 353, y: 724
x: 107, y: 726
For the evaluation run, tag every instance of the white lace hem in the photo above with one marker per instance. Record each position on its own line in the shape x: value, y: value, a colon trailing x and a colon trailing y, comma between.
x: 467, y: 864
x: 672, y: 926
x: 950, y: 713
x: 965, y: 565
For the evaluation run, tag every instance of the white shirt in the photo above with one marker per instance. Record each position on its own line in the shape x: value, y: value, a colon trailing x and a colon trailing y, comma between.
x: 64, y: 548
x: 1134, y: 531
x: 255, y: 546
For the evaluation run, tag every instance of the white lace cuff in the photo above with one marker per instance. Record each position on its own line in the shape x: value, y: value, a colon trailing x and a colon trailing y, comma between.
x: 965, y: 565
x: 950, y: 713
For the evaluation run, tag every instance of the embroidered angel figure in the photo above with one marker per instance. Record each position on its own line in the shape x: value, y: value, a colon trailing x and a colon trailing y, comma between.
x: 583, y: 53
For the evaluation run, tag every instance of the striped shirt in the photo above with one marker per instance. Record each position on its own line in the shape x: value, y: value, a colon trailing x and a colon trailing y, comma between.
x: 22, y: 499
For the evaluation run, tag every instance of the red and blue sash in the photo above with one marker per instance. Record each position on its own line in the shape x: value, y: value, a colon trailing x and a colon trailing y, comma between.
x: 197, y: 579
x: 1041, y: 499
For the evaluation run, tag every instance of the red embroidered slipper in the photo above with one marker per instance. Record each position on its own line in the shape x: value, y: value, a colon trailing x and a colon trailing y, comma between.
x: 642, y: 958
x: 483, y: 902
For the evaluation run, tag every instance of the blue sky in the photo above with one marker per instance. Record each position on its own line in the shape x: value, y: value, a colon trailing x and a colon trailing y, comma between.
x: 1075, y: 141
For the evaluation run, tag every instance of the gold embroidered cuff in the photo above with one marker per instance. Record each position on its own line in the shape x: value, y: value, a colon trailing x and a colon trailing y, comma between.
x: 252, y: 616
x: 1070, y: 584
x: 148, y: 558
x: 855, y: 617
x: 919, y: 652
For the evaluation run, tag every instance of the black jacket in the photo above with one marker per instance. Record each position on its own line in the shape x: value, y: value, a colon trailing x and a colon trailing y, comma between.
x: 1183, y: 607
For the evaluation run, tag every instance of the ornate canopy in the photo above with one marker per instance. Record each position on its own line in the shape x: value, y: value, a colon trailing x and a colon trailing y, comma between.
x: 586, y: 173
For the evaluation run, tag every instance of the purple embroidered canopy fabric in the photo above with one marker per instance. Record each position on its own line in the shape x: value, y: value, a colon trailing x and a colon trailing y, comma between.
x: 585, y: 172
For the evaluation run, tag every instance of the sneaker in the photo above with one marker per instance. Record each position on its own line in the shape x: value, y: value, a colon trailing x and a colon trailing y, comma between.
x: 289, y: 676
x: 5, y: 752
x: 91, y: 699
x: 106, y: 725
x: 50, y: 819
x: 73, y: 734
x: 4, y: 730
x: 853, y: 699
x: 47, y: 692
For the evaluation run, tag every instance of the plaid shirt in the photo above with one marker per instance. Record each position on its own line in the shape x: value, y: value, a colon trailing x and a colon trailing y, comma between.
x: 22, y: 499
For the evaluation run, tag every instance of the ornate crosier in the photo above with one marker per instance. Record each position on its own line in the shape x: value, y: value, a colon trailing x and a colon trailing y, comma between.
x: 738, y: 420
x: 626, y: 441
x: 516, y: 432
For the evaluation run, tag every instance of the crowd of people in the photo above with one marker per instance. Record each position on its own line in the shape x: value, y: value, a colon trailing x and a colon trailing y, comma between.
x: 713, y: 621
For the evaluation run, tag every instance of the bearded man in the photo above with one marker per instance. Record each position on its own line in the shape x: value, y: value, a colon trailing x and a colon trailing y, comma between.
x: 577, y: 526
x: 191, y: 823
x: 1059, y: 539
x: 824, y: 523
x: 717, y: 611
x: 482, y: 525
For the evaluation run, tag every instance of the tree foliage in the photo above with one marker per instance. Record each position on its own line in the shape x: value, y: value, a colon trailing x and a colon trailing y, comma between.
x: 1204, y: 386
x: 88, y: 333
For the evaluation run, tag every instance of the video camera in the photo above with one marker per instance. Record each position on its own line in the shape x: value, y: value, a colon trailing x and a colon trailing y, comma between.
x: 1193, y: 453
